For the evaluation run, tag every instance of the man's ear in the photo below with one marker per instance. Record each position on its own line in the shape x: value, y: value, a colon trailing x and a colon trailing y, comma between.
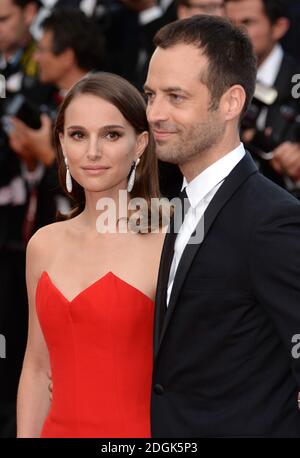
x: 68, y: 57
x: 141, y: 143
x: 233, y: 102
x: 280, y: 28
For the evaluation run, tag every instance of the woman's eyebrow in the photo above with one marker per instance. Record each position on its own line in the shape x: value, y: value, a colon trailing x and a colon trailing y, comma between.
x: 108, y: 126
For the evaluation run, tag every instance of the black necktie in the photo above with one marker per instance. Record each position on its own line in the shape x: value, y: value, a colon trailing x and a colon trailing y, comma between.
x: 185, y: 204
x: 174, y: 228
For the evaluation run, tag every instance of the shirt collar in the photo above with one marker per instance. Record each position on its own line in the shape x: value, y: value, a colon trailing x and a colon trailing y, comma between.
x: 268, y: 70
x: 204, y: 183
x: 49, y: 3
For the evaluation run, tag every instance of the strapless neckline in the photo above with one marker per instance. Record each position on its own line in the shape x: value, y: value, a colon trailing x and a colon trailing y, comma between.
x: 100, y: 347
x: 91, y: 286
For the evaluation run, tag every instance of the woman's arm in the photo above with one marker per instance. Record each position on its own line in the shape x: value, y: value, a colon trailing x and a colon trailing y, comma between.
x: 33, y: 397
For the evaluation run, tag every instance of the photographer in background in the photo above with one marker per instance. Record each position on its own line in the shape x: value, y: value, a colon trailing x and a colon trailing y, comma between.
x: 272, y: 125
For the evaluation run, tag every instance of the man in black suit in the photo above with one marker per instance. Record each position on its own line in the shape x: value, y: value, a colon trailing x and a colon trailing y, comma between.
x: 228, y: 302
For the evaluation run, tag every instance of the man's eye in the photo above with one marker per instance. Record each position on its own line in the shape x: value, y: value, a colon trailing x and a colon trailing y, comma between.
x: 176, y: 97
x: 148, y: 96
x: 248, y: 22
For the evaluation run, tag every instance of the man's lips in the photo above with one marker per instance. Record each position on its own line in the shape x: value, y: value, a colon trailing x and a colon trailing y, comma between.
x: 161, y: 134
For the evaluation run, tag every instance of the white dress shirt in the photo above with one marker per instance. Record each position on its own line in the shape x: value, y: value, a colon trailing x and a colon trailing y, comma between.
x: 88, y: 6
x: 154, y: 12
x: 269, y: 69
x: 267, y: 74
x: 200, y: 192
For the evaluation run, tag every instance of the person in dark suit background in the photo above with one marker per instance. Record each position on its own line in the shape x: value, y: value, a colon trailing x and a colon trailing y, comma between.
x: 227, y: 303
x: 274, y: 129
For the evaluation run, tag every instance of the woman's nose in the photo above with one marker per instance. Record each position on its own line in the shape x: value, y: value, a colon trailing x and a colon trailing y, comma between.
x: 94, y: 149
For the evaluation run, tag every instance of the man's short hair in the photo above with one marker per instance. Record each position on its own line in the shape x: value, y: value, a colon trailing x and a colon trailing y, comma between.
x: 228, y: 49
x: 72, y: 29
x: 23, y: 3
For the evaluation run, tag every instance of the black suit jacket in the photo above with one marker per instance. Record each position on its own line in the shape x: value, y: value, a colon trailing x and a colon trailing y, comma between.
x: 223, y: 364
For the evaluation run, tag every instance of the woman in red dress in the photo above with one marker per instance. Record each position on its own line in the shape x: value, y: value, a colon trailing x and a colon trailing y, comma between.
x: 91, y: 291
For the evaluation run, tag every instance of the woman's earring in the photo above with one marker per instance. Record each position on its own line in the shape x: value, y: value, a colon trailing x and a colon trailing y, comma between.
x: 69, y: 184
x: 132, y: 176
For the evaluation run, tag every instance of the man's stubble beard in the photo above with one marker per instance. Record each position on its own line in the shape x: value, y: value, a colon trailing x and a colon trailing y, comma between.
x: 192, y: 143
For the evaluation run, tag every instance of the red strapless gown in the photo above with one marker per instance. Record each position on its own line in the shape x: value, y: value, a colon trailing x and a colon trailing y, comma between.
x: 101, y: 353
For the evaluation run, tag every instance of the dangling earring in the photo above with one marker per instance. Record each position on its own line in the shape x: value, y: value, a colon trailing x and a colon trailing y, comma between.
x: 69, y: 184
x: 132, y: 176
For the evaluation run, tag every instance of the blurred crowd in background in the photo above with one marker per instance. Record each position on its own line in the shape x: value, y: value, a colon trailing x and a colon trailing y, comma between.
x: 47, y: 46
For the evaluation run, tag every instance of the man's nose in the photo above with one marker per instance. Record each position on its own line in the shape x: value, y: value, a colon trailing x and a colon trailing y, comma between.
x: 157, y: 111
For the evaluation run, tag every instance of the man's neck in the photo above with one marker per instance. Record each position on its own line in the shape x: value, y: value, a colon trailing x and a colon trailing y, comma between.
x: 193, y: 168
x: 263, y: 57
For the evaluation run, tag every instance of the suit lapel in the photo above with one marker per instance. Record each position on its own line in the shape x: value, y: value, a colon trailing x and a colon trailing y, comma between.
x: 240, y: 173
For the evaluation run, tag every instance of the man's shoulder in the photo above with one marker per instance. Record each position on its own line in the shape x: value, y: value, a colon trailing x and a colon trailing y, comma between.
x: 263, y: 197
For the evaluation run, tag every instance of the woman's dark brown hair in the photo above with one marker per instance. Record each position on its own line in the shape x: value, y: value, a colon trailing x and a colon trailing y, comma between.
x: 127, y: 99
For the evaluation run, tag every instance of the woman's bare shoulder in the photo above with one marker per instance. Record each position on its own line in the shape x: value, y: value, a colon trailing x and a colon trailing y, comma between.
x: 47, y: 239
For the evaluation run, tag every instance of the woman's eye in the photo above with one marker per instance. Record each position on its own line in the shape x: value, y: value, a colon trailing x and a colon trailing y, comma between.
x: 77, y: 135
x: 113, y: 135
